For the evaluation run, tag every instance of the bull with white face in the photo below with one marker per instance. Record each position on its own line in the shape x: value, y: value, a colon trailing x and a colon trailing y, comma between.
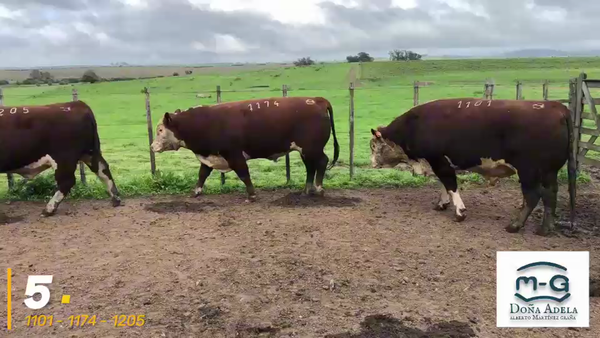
x: 495, y: 139
x: 225, y: 136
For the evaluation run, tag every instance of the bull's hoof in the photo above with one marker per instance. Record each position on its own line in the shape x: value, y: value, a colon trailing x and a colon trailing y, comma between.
x: 46, y: 213
x: 441, y: 207
x: 461, y: 217
x: 116, y: 202
x: 512, y: 228
x: 251, y: 199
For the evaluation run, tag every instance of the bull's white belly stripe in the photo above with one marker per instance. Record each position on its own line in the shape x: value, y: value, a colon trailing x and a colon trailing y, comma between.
x: 32, y: 170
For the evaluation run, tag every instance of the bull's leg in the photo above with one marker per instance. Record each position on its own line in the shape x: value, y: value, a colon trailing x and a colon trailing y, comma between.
x: 65, y: 179
x: 444, y: 200
x: 102, y: 170
x: 237, y: 162
x: 531, y: 189
x: 549, y: 192
x: 444, y: 171
x: 321, y: 168
x: 309, y: 163
x: 202, y: 176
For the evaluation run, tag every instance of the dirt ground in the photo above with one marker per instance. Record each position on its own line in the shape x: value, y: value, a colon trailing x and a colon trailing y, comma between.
x: 357, y: 263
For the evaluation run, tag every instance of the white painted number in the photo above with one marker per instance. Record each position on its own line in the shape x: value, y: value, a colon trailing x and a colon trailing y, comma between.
x: 538, y: 106
x: 1, y: 111
x: 32, y: 288
x: 250, y: 106
x: 13, y: 110
x: 476, y: 104
x: 267, y: 103
x: 276, y: 103
x: 25, y: 111
x: 258, y: 105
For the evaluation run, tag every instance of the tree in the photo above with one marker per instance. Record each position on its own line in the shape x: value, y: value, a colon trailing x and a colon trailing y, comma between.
x: 360, y: 57
x: 404, y: 55
x: 307, y: 61
x: 90, y: 76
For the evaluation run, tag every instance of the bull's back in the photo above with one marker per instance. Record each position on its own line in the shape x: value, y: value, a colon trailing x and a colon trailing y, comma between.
x: 492, y: 128
x: 269, y: 125
x: 28, y: 133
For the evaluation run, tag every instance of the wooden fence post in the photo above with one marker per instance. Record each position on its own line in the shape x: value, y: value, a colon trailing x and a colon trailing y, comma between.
x: 219, y: 101
x: 579, y: 106
x: 351, y: 129
x: 488, y: 90
x: 150, y: 132
x: 416, y: 94
x: 519, y: 90
x: 545, y: 90
x: 81, y: 166
x: 288, y: 172
x: 11, y: 181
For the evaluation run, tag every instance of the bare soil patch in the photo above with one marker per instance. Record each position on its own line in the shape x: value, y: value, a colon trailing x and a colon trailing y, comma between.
x: 355, y: 263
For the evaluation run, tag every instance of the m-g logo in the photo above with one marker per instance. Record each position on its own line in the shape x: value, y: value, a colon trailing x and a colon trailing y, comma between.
x: 562, y: 280
x: 542, y: 289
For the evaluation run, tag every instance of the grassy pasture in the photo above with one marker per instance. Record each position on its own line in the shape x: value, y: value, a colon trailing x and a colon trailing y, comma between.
x: 384, y: 91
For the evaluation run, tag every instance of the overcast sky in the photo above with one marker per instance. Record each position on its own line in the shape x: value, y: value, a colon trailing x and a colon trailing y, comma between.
x: 98, y: 32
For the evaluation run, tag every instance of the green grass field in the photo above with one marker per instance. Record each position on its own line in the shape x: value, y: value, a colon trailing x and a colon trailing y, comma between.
x: 384, y: 91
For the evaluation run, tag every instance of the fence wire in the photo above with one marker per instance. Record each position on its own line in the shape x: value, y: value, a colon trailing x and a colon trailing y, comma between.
x: 125, y: 119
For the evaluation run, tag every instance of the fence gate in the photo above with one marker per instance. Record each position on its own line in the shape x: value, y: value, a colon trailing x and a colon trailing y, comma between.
x: 585, y: 124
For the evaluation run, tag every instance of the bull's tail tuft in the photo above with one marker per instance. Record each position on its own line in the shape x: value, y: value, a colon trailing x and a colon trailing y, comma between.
x: 336, y: 146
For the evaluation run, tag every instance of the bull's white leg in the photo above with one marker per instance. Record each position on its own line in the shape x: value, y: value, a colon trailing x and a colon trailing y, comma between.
x: 53, y: 203
x: 104, y: 175
x: 459, y: 205
x: 444, y: 200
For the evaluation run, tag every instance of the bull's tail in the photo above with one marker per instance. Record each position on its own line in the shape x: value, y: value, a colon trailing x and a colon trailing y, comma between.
x: 95, y: 151
x: 336, y: 146
x: 571, y: 167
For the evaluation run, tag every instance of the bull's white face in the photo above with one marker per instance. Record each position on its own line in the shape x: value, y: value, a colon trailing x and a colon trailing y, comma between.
x: 386, y: 154
x: 165, y: 139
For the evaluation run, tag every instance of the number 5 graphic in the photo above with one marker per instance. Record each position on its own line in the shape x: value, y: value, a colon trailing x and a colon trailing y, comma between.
x: 33, y: 288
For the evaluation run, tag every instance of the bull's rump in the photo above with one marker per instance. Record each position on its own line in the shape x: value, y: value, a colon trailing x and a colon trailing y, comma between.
x: 468, y: 129
x: 28, y: 133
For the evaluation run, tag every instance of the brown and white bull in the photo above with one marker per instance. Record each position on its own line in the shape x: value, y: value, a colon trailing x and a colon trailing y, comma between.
x: 36, y: 138
x: 224, y: 136
x: 495, y: 138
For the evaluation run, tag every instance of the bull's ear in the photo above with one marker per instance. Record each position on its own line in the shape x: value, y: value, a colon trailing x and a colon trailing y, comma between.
x: 167, y: 119
x: 376, y: 133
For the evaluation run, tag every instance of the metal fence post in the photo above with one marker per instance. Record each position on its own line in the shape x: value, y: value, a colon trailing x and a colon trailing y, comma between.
x: 519, y: 90
x: 545, y: 90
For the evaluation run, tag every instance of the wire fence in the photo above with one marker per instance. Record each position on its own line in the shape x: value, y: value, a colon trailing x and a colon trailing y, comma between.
x: 421, y: 92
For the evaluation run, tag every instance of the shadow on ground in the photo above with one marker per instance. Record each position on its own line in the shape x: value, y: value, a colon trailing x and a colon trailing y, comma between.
x: 298, y: 199
x: 385, y: 326
x: 179, y: 206
x: 5, y: 220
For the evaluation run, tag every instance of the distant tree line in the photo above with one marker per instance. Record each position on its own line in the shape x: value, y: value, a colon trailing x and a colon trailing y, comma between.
x: 38, y: 77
